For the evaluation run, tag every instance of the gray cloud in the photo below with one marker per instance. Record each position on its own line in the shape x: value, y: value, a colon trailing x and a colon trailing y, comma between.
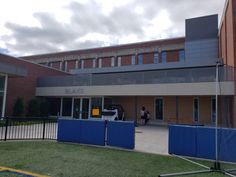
x: 52, y: 35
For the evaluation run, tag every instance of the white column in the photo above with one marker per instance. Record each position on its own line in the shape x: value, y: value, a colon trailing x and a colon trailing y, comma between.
x: 4, y: 96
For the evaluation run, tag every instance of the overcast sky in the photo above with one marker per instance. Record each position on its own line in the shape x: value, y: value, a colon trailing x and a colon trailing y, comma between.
x: 43, y: 26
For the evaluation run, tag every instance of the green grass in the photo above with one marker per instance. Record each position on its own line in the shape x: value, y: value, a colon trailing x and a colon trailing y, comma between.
x: 69, y: 160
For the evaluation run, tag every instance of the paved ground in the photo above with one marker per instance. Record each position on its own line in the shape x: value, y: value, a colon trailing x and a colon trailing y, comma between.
x: 152, y: 139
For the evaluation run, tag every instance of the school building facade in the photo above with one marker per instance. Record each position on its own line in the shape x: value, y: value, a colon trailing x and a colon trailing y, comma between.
x: 173, y: 78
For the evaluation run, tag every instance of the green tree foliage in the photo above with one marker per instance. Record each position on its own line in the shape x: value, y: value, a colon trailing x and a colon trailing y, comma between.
x: 18, y: 108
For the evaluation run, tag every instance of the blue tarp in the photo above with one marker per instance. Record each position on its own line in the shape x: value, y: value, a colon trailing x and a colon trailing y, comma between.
x: 121, y: 134
x: 199, y: 141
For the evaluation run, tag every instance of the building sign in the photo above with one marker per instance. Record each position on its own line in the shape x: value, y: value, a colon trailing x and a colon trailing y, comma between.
x: 76, y: 91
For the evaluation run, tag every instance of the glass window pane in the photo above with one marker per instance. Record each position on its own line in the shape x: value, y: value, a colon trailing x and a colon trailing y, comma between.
x: 213, y: 110
x: 96, y: 107
x: 54, y: 106
x: 196, y: 109
x: 2, y: 83
x: 181, y: 55
x: 133, y: 60
x: 140, y: 59
x: 67, y: 106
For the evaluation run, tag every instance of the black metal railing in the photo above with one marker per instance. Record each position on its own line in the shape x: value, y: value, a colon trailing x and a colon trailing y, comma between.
x: 12, y: 128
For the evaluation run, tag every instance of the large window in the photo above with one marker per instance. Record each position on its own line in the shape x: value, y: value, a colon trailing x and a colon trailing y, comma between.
x: 140, y: 59
x: 181, y: 55
x: 156, y: 57
x: 54, y: 106
x: 113, y: 61
x: 196, y: 109
x: 163, y: 57
x: 96, y: 107
x: 213, y: 109
x: 66, y: 106
x: 119, y: 61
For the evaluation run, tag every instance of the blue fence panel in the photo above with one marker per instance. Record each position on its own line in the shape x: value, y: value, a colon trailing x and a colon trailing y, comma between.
x: 200, y: 142
x: 228, y: 145
x: 121, y: 134
x: 93, y: 132
x: 205, y: 144
x: 182, y: 140
x: 69, y: 130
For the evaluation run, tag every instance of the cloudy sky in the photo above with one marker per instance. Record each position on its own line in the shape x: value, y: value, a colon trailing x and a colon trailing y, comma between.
x: 42, y: 26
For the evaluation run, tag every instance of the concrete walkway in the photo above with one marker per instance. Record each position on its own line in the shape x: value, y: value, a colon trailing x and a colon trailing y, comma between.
x: 151, y: 139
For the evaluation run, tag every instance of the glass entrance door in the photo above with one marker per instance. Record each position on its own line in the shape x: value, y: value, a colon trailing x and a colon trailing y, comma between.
x: 76, y: 113
x: 159, y: 108
x: 85, y: 108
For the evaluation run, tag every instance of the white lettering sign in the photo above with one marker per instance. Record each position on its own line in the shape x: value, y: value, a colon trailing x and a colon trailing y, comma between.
x: 70, y: 91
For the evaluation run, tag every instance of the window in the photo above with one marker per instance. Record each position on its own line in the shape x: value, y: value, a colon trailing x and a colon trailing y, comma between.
x: 213, y: 109
x: 196, y: 109
x: 181, y: 55
x: 156, y: 57
x: 133, y: 60
x: 112, y: 61
x: 63, y: 65
x: 67, y: 107
x: 163, y: 57
x: 140, y: 59
x: 96, y: 107
x: 119, y: 61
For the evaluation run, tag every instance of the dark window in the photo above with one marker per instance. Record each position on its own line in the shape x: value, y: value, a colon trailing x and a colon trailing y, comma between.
x: 67, y: 106
x: 213, y: 109
x: 54, y: 106
x: 96, y: 103
x: 196, y: 109
x: 159, y: 108
x: 2, y: 83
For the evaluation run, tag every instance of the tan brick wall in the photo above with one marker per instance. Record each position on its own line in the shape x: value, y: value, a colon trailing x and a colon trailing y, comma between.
x: 148, y: 103
x: 169, y: 109
x: 186, y: 109
x: 205, y: 110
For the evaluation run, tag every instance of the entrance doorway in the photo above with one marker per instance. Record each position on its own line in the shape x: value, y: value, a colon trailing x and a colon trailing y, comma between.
x: 159, y: 108
x: 81, y: 108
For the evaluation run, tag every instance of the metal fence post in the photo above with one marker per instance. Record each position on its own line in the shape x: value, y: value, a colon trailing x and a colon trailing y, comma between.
x: 44, y: 122
x: 6, y: 127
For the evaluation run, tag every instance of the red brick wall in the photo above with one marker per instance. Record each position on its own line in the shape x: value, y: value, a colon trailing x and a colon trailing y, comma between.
x: 88, y: 63
x: 172, y: 56
x: 56, y: 65
x: 148, y: 58
x: 106, y: 62
x: 24, y: 87
x: 126, y: 60
x: 70, y: 65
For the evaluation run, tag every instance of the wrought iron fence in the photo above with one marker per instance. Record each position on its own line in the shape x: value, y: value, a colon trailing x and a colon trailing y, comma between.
x: 12, y: 128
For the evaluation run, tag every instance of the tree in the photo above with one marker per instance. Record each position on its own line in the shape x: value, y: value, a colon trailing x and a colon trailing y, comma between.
x: 18, y: 108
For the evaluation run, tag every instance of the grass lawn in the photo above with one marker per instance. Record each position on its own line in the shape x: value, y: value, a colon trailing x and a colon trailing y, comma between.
x: 73, y: 160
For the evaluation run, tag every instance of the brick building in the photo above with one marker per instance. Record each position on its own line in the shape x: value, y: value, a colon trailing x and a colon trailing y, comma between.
x: 173, y: 78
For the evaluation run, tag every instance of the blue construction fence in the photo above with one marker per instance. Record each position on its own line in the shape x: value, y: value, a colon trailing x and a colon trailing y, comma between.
x: 199, y: 141
x: 97, y: 132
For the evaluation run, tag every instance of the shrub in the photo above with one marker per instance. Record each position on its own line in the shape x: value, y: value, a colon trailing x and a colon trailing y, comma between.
x: 18, y: 108
x: 34, y: 108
